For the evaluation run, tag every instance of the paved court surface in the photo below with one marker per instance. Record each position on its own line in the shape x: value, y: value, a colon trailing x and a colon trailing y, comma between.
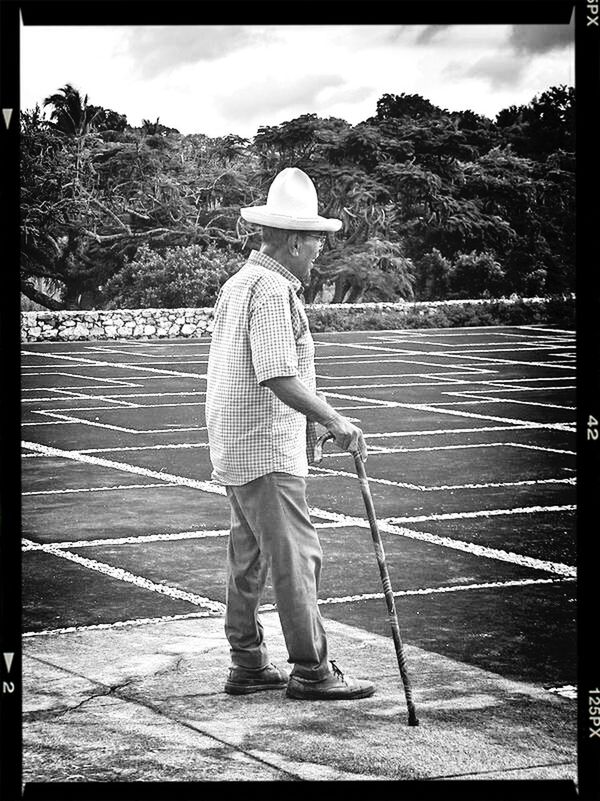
x: 472, y: 469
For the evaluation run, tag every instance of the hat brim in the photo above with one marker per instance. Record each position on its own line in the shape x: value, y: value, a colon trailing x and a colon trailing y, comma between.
x: 260, y: 215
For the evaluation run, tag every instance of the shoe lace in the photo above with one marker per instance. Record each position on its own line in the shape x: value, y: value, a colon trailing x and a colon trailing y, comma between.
x: 336, y: 671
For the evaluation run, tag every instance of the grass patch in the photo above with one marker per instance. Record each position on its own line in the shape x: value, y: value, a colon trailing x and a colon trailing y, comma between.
x: 558, y: 311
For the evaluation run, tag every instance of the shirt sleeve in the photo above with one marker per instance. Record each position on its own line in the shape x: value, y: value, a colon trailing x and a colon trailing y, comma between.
x: 272, y: 341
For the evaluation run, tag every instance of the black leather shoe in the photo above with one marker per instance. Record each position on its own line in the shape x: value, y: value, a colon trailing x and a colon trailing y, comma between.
x: 334, y: 687
x: 242, y: 680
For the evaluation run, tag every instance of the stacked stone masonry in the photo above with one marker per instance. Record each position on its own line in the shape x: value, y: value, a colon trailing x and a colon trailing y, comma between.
x: 64, y: 326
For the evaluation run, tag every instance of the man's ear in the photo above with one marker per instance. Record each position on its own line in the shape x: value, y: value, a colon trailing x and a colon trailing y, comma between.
x: 293, y: 244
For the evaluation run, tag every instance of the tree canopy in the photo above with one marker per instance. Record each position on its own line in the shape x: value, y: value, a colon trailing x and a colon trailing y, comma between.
x: 433, y: 203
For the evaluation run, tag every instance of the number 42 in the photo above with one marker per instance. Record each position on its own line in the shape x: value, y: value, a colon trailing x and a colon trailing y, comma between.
x: 592, y: 427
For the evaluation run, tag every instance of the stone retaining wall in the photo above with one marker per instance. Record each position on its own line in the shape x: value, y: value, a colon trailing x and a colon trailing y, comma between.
x: 65, y: 326
x: 122, y: 324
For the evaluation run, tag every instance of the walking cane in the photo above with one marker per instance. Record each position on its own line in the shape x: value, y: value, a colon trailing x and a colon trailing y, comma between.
x: 383, y: 571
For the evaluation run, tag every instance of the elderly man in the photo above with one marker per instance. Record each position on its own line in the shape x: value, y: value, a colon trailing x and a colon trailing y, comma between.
x: 261, y: 395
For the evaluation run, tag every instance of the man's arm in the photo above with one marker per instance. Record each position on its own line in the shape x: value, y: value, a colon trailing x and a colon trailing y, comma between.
x: 291, y: 391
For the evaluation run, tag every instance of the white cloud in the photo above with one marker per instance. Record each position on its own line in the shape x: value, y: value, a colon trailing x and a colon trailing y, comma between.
x: 541, y: 38
x: 496, y: 69
x: 219, y: 79
x: 158, y: 49
x: 275, y: 93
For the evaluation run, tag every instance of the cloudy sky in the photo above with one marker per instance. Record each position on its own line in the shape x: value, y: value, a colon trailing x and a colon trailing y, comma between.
x: 232, y: 79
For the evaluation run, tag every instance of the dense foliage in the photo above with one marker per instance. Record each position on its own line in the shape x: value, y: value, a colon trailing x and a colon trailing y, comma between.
x: 181, y: 277
x: 434, y: 204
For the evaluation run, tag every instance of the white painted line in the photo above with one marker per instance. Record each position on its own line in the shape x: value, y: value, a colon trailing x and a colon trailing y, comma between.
x: 117, y: 382
x: 66, y: 418
x: 444, y: 487
x: 135, y: 540
x: 323, y: 514
x: 141, y: 621
x: 168, y: 446
x: 566, y: 690
x: 503, y: 330
x: 372, y: 596
x: 468, y: 402
x: 372, y: 401
x: 519, y: 510
x: 391, y: 385
x: 445, y: 431
x: 490, y: 399
x: 509, y: 382
x: 132, y: 406
x: 117, y: 488
x: 504, y: 388
x: 77, y: 456
x: 373, y: 480
x: 455, y: 544
x: 131, y: 352
x: 53, y: 398
x: 380, y: 450
x: 79, y: 395
x: 164, y: 359
x: 373, y: 449
x: 539, y: 448
x: 448, y: 354
x: 126, y: 381
x: 117, y: 395
x: 144, y: 344
x: 486, y: 347
x: 551, y: 330
x: 425, y: 407
x: 488, y: 360
x: 494, y: 484
x: 139, y: 581
x: 144, y: 538
x: 447, y: 382
x: 118, y: 365
x: 438, y: 379
x: 63, y: 419
x: 49, y: 423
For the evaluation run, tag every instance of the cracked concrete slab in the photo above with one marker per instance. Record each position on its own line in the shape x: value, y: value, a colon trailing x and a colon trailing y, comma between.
x: 146, y: 703
x: 110, y: 739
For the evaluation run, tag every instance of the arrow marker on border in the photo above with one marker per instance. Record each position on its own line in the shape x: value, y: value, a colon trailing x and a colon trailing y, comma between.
x: 7, y: 114
x: 8, y: 658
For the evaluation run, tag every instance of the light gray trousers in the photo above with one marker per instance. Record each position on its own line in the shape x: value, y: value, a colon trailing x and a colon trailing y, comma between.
x: 271, y: 526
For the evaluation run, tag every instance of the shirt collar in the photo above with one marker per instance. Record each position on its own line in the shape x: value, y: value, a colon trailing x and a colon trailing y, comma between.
x: 262, y: 260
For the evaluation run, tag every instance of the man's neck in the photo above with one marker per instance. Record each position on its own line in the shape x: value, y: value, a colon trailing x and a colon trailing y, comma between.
x: 281, y: 257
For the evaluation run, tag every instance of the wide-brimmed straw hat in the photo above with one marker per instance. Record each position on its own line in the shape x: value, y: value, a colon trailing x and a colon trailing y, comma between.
x: 292, y: 204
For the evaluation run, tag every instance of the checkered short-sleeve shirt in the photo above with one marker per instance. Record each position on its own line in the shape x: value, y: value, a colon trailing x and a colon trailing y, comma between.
x: 260, y: 332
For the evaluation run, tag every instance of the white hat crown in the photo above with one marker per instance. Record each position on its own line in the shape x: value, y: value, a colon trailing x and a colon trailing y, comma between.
x: 293, y: 193
x: 292, y: 204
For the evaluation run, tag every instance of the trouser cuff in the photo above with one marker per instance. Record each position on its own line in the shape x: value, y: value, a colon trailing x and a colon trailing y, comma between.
x: 306, y: 674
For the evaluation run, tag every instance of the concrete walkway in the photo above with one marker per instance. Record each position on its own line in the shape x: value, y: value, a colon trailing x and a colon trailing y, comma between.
x: 146, y: 703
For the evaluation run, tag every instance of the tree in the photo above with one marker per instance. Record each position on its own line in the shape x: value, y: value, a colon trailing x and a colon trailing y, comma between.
x: 177, y: 278
x: 552, y: 120
x: 416, y: 187
x: 432, y: 272
x: 375, y: 270
x: 403, y: 105
x: 48, y: 168
x: 70, y: 114
x: 544, y: 125
x: 476, y: 275
x: 104, y: 119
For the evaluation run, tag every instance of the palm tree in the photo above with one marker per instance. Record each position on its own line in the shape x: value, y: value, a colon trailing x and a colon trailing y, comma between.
x: 71, y: 114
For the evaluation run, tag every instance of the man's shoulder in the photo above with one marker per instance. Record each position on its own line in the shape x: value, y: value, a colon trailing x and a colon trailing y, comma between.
x: 261, y: 280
